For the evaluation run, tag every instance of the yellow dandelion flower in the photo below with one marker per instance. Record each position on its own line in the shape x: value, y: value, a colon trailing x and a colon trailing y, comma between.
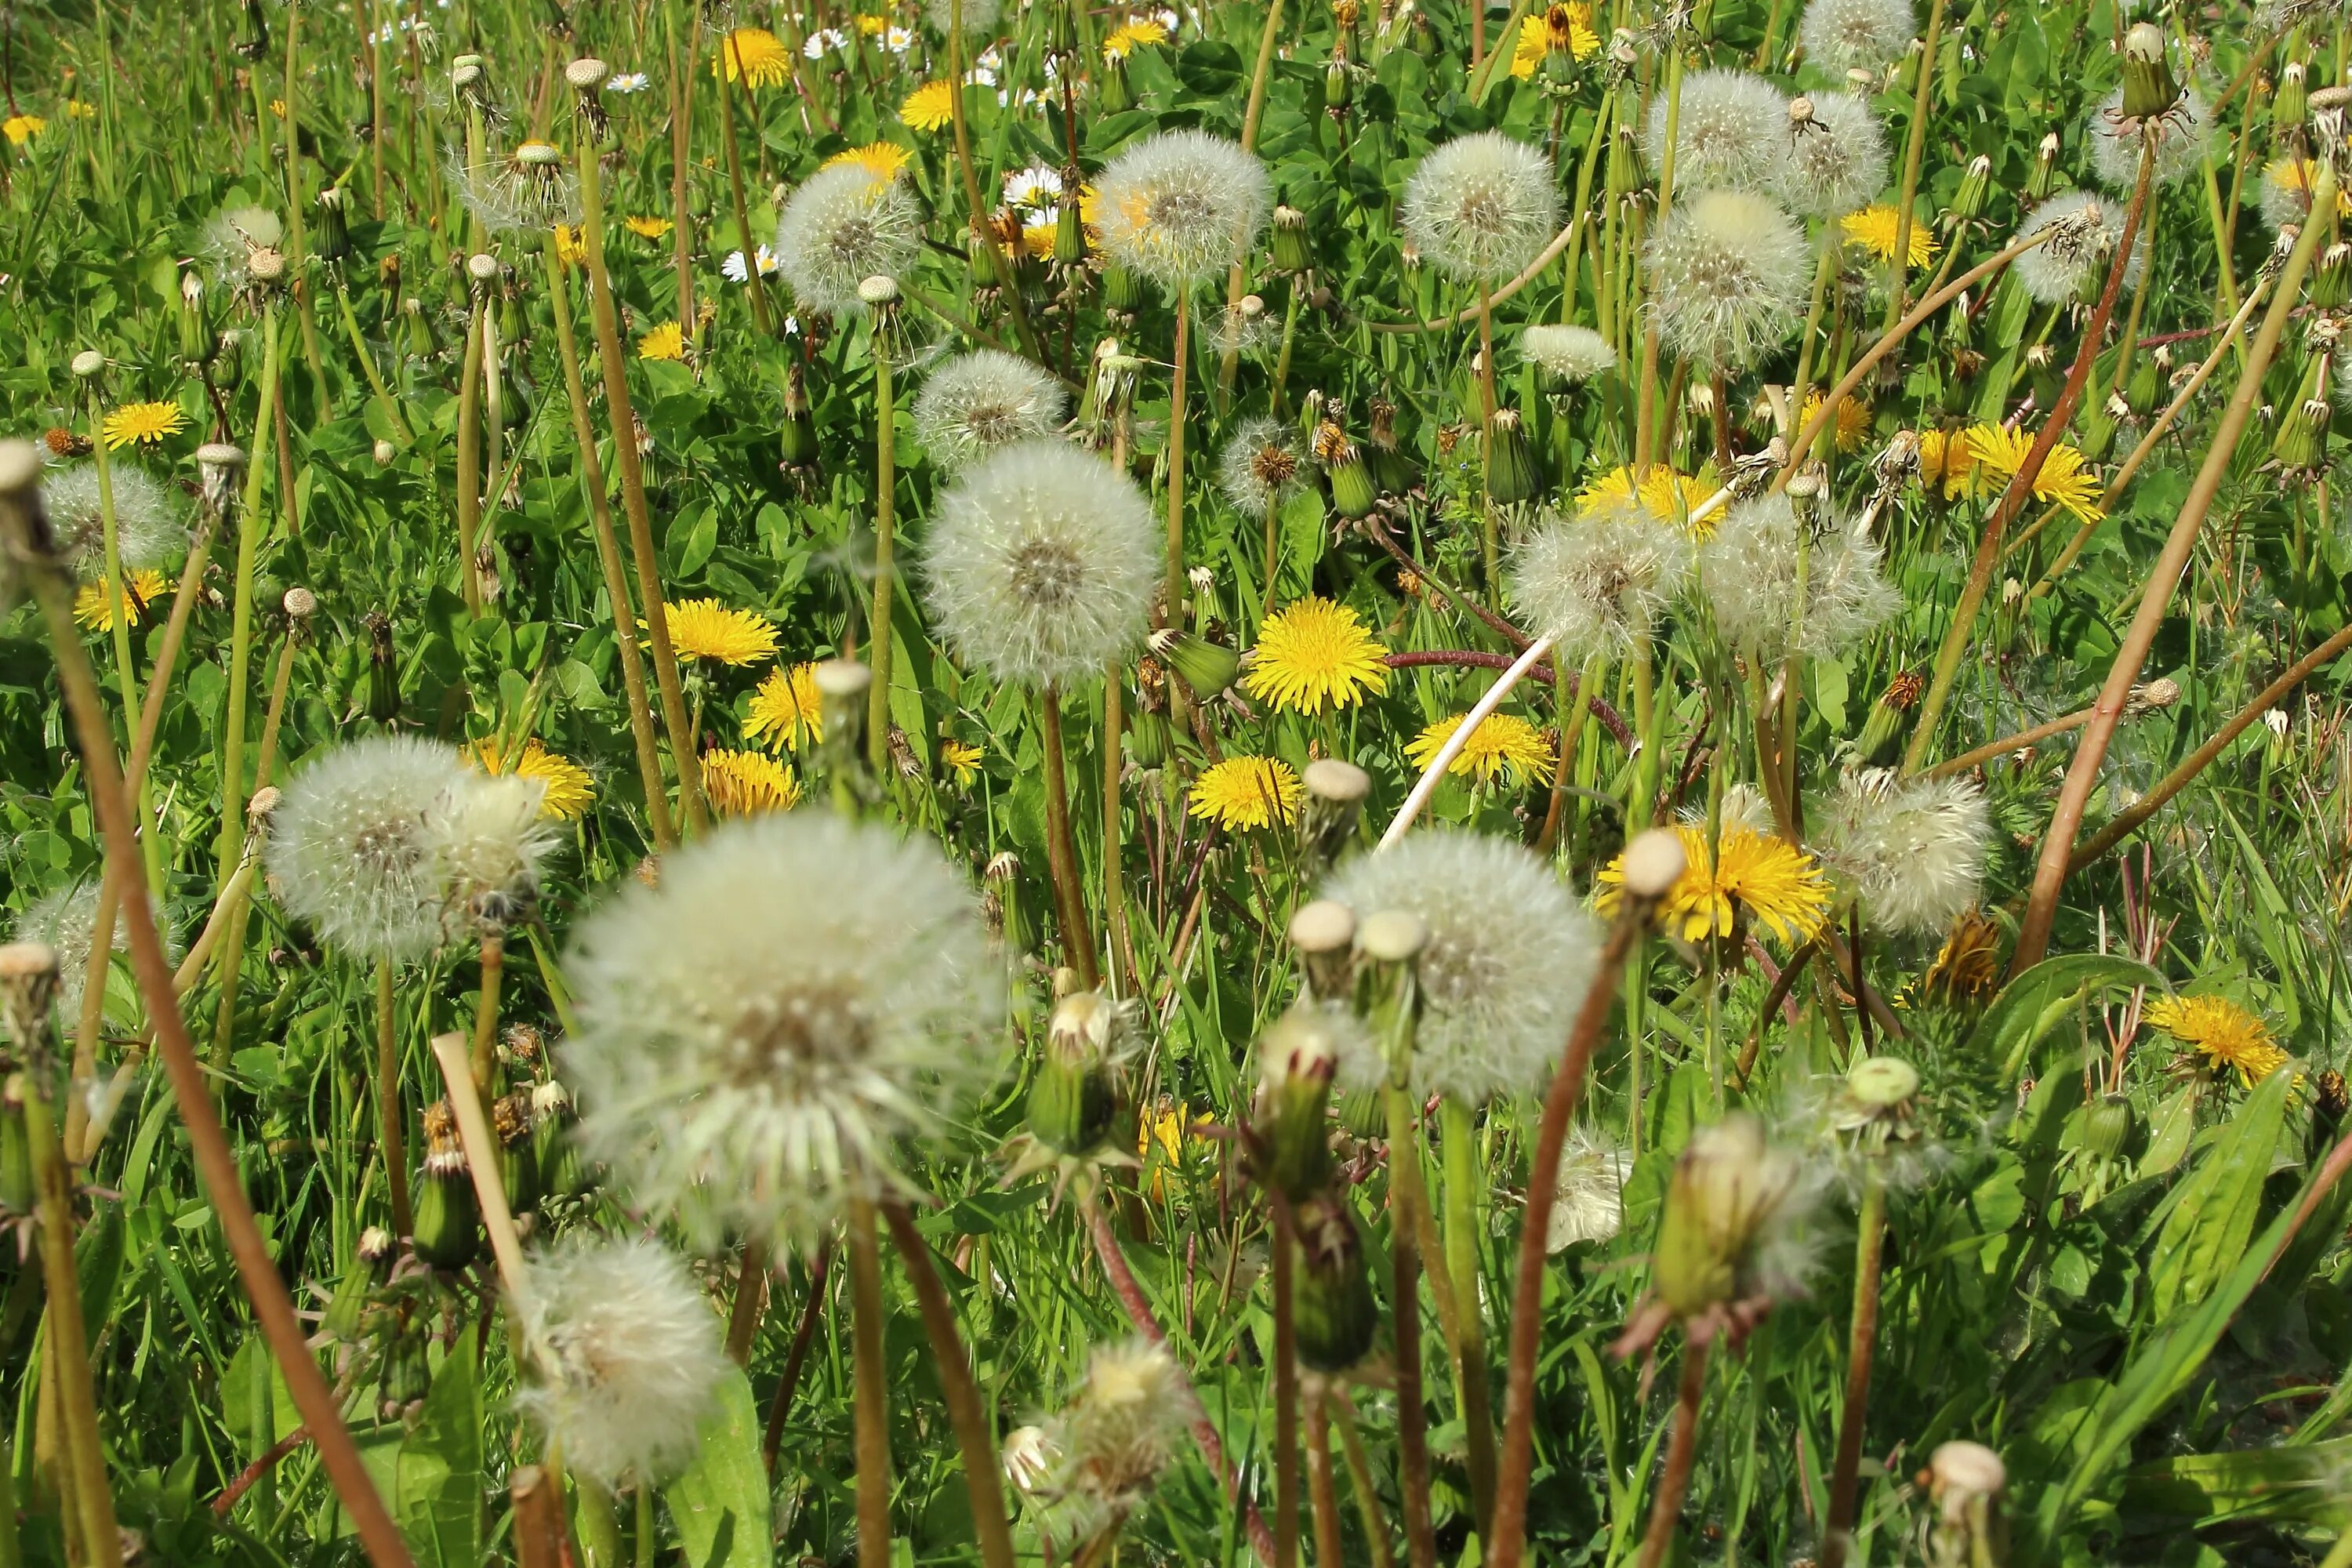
x: 278, y: 107
x: 929, y: 107
x: 2230, y: 1039
x: 81, y: 108
x: 1133, y: 34
x: 747, y: 784
x: 1661, y: 490
x: 1246, y: 792
x: 664, y: 342
x: 705, y: 628
x: 1314, y: 654
x: 572, y: 244
x: 569, y: 789
x: 2296, y: 173
x: 1968, y: 966
x: 1757, y: 876
x: 1503, y: 746
x: 785, y: 710
x: 142, y: 424
x: 1852, y: 420
x: 94, y: 606
x: 1037, y: 241
x: 1948, y: 457
x: 961, y: 759
x: 1873, y: 229
x: 22, y: 128
x: 1563, y: 28
x: 754, y: 57
x: 2066, y: 479
x: 1160, y: 1130
x: 871, y: 26
x: 648, y: 228
x: 883, y: 159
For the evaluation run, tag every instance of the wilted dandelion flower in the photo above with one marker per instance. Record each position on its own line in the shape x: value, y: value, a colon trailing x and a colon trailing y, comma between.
x: 1874, y: 229
x: 2182, y: 136
x: 566, y: 785
x: 351, y: 850
x: 1506, y: 967
x: 1596, y: 583
x: 1246, y: 792
x: 1966, y: 968
x: 841, y: 227
x: 797, y: 994
x: 146, y: 525
x: 1836, y: 163
x: 1839, y: 35
x: 978, y: 401
x: 1748, y: 572
x: 1261, y: 465
x: 141, y: 425
x: 1180, y: 205
x: 1731, y: 129
x: 1480, y: 207
x: 2229, y: 1038
x: 1758, y: 877
x: 1589, y: 1203
x: 785, y: 710
x: 1911, y: 850
x: 1731, y: 272
x: 1504, y: 747
x: 1125, y: 1425
x: 747, y: 784
x: 2077, y: 260
x: 486, y: 839
x: 707, y: 629
x: 1313, y: 654
x: 1731, y: 1236
x: 626, y: 1357
x: 1569, y: 354
x: 1041, y: 563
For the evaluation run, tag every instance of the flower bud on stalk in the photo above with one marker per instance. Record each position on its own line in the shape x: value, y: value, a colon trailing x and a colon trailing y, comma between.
x: 1513, y: 471
x: 1122, y: 289
x: 1388, y: 997
x: 1334, y: 1313
x: 2149, y: 87
x: 1113, y: 93
x: 796, y: 441
x: 1352, y: 494
x: 1391, y: 471
x: 561, y: 1172
x: 2290, y: 102
x: 1976, y: 184
x: 1966, y: 1481
x: 1072, y: 1100
x: 331, y: 239
x: 1335, y: 805
x: 1297, y: 1057
x: 2107, y: 1125
x: 1069, y: 224
x: 448, y: 1217
x: 1324, y: 933
x: 370, y: 1266
x: 2043, y: 178
x: 2144, y: 388
x: 511, y: 1119
x: 1207, y: 667
x: 841, y: 687
x: 1292, y: 255
x: 17, y: 1194
x: 1886, y: 726
x: 1726, y: 1189
x: 2302, y: 435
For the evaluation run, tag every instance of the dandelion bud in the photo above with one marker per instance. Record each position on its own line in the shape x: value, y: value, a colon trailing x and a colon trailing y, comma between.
x: 1726, y: 1190
x: 2108, y: 1124
x: 447, y: 1219
x: 1206, y: 667
x: 28, y: 984
x: 2149, y: 87
x: 332, y: 239
x: 1391, y: 472
x: 1338, y: 87
x: 2043, y: 178
x: 2303, y: 433
x: 1324, y: 933
x: 2291, y: 100
x: 1296, y: 1058
x: 1113, y: 93
x: 1966, y: 1481
x: 1335, y: 1314
x: 370, y: 1263
x: 1335, y: 804
x: 1072, y: 1100
x: 1514, y: 473
x: 1886, y: 726
x: 88, y: 364
x: 1147, y: 742
x: 383, y: 452
x: 1122, y: 289
x: 1976, y: 183
x: 587, y: 74
x: 2144, y: 387
x: 1804, y: 493
x: 1352, y: 494
x: 561, y: 1173
x: 841, y: 687
x: 1292, y: 254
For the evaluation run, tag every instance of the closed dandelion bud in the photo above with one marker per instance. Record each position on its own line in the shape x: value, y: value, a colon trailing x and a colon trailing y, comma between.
x: 371, y: 1262
x: 1069, y: 229
x: 1726, y: 1188
x: 2144, y: 385
x: 2149, y: 86
x: 1335, y: 1314
x: 841, y: 687
x: 332, y: 239
x: 510, y: 1122
x: 1113, y: 93
x: 1391, y: 471
x: 1206, y: 667
x: 1147, y: 742
x: 1903, y: 80
x: 1072, y: 1101
x: 1352, y: 495
x: 1888, y: 724
x: 1292, y: 255
x: 447, y: 1219
x: 796, y: 441
x: 1362, y: 1112
x: 1969, y: 202
x: 561, y: 1170
x: 2098, y: 433
x: 28, y: 987
x: 1296, y: 1058
x: 1513, y: 471
x: 2291, y: 101
x: 2107, y: 1126
x: 16, y: 1193
x: 1335, y: 804
x: 1323, y: 932
x: 2044, y: 177
x: 196, y: 343
x: 2302, y: 430
x: 2330, y: 284
x: 1122, y: 287
x: 1338, y: 88
x: 415, y: 329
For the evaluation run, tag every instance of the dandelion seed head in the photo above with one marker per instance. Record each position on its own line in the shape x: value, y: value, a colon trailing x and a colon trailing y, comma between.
x: 1570, y: 353
x: 1041, y: 563
x: 756, y: 1032
x: 1509, y: 957
x: 978, y: 401
x: 2090, y: 228
x: 626, y: 1354
x: 1597, y: 582
x: 351, y: 848
x: 1482, y: 206
x: 1125, y: 1425
x: 1838, y: 164
x: 146, y: 517
x: 231, y: 239
x: 979, y: 16
x: 1748, y: 573
x: 1730, y: 129
x: 65, y: 919
x: 1261, y: 465
x: 1912, y: 850
x: 1841, y: 36
x: 1180, y: 205
x: 1731, y: 272
x: 1588, y: 1202
x: 488, y: 839
x: 841, y: 227
x: 2182, y: 135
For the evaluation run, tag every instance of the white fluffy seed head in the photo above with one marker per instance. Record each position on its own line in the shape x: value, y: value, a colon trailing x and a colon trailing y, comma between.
x: 841, y: 227
x: 1181, y: 204
x: 146, y: 517
x: 627, y: 1357
x: 233, y: 236
x: 1481, y: 207
x: 488, y: 839
x: 1261, y: 465
x: 979, y: 16
x: 1125, y: 1425
x: 1041, y: 564
x: 2077, y: 260
x: 2285, y: 200
x: 1839, y: 35
x: 1570, y: 353
x: 978, y: 401
x: 1589, y: 1204
x: 758, y: 1031
x: 1729, y: 274
x: 351, y: 849
x: 2115, y: 141
x: 64, y: 919
x: 1509, y: 958
x: 1748, y: 574
x: 1911, y: 850
x: 1597, y: 582
x: 1730, y: 127
x: 1836, y: 163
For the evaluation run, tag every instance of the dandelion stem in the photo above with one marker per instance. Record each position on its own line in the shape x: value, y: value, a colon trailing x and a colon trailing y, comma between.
x: 1666, y: 1507
x: 486, y: 1014
x: 1322, y: 1488
x: 1000, y: 267
x: 1285, y: 1385
x: 1862, y: 1342
x: 750, y: 1300
x: 2074, y: 797
x: 470, y: 459
x: 1175, y: 592
x: 1360, y: 1476
x: 982, y: 1475
x: 240, y: 645
x: 870, y: 1409
x: 754, y: 284
x: 1646, y: 411
x: 1404, y: 1306
x: 886, y: 539
x: 1061, y: 850
x: 389, y: 1123
x: 1914, y: 147
x: 1238, y: 277
x: 376, y: 388
x: 1457, y: 1153
x: 803, y: 1335
x: 1122, y: 958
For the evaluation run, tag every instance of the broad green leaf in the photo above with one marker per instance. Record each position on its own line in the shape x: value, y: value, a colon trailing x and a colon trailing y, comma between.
x: 2029, y: 1005
x: 720, y: 1504
x: 439, y: 1486
x: 2219, y: 1201
x: 2297, y: 1483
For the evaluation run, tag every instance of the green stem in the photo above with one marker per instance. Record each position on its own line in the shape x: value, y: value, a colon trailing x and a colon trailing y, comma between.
x: 869, y: 1409
x: 886, y: 528
x: 1914, y: 147
x: 240, y: 648
x: 1457, y: 1141
x: 1837, y: 1537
